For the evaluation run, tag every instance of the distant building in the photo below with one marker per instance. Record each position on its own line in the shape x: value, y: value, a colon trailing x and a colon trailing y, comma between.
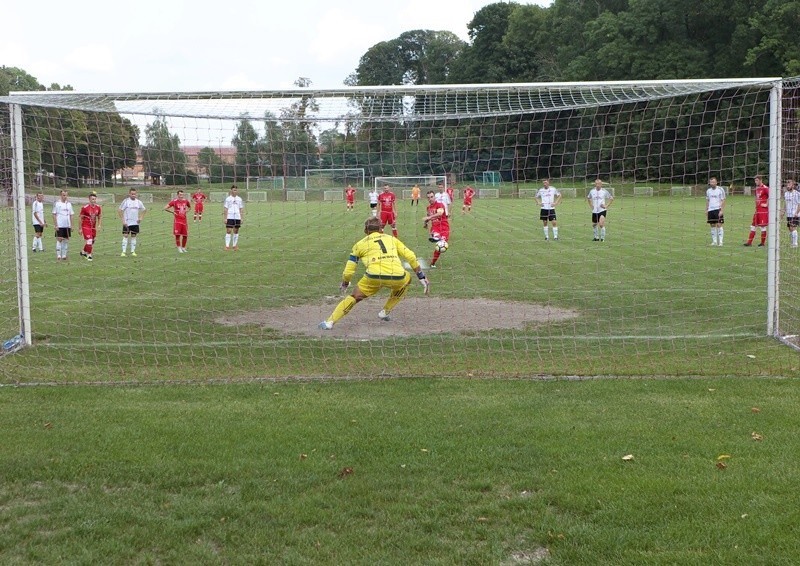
x: 137, y: 173
x: 226, y: 153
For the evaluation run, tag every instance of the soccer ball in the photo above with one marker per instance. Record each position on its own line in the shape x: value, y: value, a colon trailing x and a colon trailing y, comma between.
x: 442, y: 245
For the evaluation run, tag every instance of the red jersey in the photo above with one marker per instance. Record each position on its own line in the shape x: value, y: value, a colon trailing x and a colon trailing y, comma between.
x: 762, y: 197
x: 350, y: 194
x: 180, y: 207
x: 450, y: 193
x: 441, y: 225
x: 386, y: 200
x: 199, y: 197
x: 469, y: 192
x: 90, y: 215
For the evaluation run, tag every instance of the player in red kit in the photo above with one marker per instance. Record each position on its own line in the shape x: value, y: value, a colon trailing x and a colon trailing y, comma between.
x: 199, y: 198
x: 90, y: 224
x: 761, y: 216
x: 388, y: 214
x: 469, y: 192
x: 451, y: 194
x: 439, y: 224
x: 350, y: 196
x: 180, y: 228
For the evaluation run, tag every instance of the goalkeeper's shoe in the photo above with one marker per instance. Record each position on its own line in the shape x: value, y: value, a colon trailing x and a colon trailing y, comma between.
x: 123, y: 254
x: 325, y: 325
x: 133, y: 254
x: 383, y: 315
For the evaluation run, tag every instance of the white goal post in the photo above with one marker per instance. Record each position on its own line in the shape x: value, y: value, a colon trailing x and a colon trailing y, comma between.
x: 503, y: 139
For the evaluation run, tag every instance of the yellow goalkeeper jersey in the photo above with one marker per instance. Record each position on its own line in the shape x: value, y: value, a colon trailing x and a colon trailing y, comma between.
x: 381, y: 255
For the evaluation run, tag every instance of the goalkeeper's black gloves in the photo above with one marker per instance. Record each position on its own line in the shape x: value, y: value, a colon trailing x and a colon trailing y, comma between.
x: 343, y: 287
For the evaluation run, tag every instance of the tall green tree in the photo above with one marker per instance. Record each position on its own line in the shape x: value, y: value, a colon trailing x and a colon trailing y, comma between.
x: 414, y: 57
x: 162, y: 154
x: 245, y: 140
x: 485, y: 59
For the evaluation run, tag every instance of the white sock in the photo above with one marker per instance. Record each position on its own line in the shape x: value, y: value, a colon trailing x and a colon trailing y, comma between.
x: 236, y: 239
x: 555, y: 231
x: 133, y: 245
x: 720, y: 233
x: 594, y: 230
x: 546, y: 234
x: 58, y: 248
x: 794, y: 237
x: 603, y: 233
x: 64, y: 248
x: 713, y: 235
x: 124, y: 244
x: 227, y: 240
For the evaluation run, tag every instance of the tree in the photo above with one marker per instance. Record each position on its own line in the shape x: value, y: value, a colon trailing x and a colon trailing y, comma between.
x: 162, y: 154
x: 414, y: 57
x: 485, y: 59
x: 246, y: 142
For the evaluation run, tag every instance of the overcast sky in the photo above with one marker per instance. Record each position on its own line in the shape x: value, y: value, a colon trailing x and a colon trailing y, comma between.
x: 176, y: 45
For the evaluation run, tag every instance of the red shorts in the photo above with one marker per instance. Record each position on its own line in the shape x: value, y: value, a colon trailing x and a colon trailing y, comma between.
x: 198, y: 208
x: 387, y: 217
x: 440, y: 232
x: 761, y: 217
x: 180, y: 229
x: 89, y: 233
x: 468, y: 201
x: 351, y: 200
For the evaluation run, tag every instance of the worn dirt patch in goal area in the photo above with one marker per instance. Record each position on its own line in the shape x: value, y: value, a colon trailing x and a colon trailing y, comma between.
x: 412, y: 317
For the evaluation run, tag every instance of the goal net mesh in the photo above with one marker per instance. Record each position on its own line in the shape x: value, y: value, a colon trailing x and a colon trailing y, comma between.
x: 507, y: 299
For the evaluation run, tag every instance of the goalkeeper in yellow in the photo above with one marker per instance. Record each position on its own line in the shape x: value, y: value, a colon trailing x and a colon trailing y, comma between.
x: 381, y: 255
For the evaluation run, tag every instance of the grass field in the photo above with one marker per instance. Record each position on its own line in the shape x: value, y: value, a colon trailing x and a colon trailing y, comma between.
x: 657, y: 427
x: 654, y: 299
x: 406, y: 471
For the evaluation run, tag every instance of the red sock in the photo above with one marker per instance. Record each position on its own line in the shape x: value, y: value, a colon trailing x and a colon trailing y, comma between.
x: 88, y: 248
x: 436, y: 255
x: 751, y: 236
x: 184, y: 239
x: 394, y: 232
x: 763, y: 237
x: 178, y: 241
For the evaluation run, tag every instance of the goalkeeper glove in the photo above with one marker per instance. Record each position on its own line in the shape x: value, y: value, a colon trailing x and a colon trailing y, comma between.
x: 424, y: 281
x: 343, y: 287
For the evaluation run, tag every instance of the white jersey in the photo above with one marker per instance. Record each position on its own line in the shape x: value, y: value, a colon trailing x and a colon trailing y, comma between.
x: 715, y: 196
x: 444, y: 199
x: 373, y: 196
x: 37, y: 208
x: 130, y: 211
x: 792, y: 199
x: 548, y: 196
x: 234, y: 205
x: 599, y: 199
x: 63, y: 212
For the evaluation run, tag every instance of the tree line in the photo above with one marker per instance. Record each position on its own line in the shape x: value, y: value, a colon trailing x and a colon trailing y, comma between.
x: 572, y: 40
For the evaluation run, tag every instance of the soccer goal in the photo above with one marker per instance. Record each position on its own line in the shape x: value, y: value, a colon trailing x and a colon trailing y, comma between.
x: 334, y: 178
x: 400, y: 183
x: 504, y: 300
x: 256, y: 196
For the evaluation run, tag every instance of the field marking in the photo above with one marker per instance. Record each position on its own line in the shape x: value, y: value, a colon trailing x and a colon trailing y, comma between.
x: 605, y: 337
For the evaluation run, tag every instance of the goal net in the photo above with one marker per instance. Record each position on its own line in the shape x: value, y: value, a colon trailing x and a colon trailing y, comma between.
x: 403, y: 186
x: 334, y: 178
x: 646, y: 293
